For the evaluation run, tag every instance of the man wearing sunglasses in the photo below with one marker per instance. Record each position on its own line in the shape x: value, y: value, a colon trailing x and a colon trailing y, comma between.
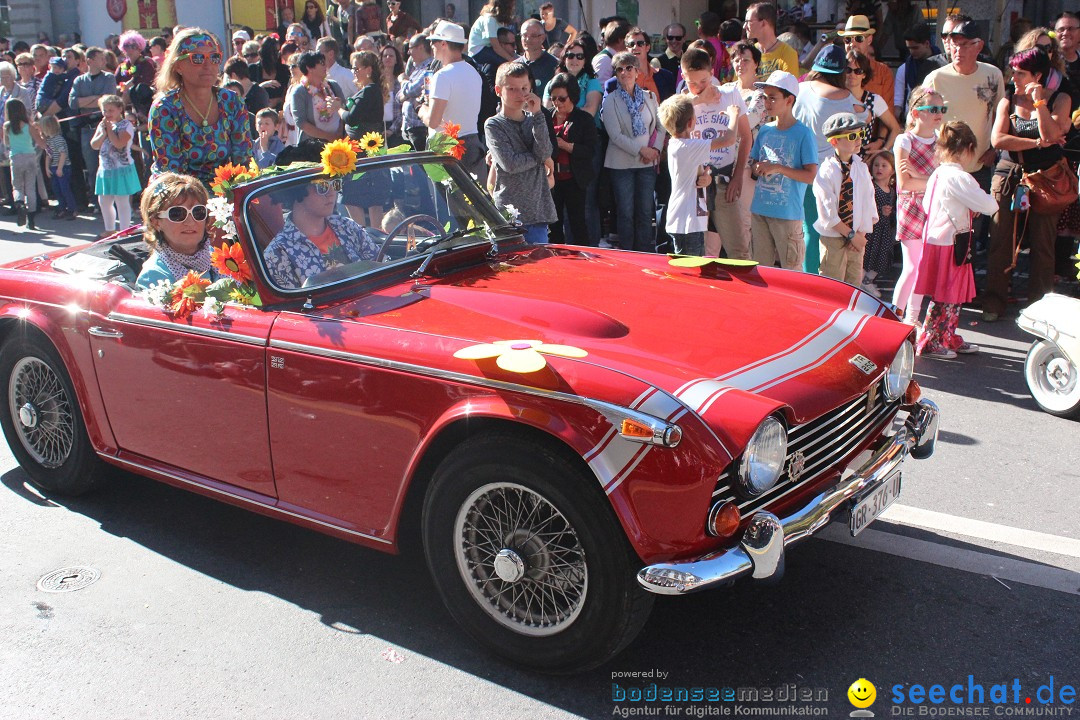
x: 858, y: 35
x: 675, y: 45
x: 970, y: 88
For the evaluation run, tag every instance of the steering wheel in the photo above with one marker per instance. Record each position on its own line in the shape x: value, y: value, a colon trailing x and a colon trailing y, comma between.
x: 411, y: 220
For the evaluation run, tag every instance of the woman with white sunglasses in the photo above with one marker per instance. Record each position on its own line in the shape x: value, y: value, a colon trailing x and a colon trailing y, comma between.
x: 174, y: 212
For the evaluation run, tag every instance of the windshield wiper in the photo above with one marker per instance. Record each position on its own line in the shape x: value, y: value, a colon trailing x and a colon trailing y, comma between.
x: 437, y: 247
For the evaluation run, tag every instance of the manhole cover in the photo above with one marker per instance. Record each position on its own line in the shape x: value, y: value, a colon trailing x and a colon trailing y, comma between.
x: 68, y: 579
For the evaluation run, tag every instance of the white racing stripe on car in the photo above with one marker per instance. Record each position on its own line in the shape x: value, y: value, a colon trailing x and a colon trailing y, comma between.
x: 850, y: 338
x: 1043, y: 574
x: 613, y: 457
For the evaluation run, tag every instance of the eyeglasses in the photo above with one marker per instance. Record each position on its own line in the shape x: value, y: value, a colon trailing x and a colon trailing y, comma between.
x: 674, y: 38
x: 25, y: 64
x: 324, y: 187
x: 559, y: 98
x: 251, y: 55
x: 854, y: 39
x: 574, y: 56
x: 200, y: 58
x: 849, y: 136
x: 933, y: 109
x: 179, y: 213
x: 960, y: 40
x: 1066, y: 28
x: 853, y: 71
x: 625, y: 68
x: 638, y: 43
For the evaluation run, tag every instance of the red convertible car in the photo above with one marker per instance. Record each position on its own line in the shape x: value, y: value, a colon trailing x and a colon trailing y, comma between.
x: 570, y: 431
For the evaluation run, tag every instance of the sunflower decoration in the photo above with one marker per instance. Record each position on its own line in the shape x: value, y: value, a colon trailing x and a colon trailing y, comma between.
x: 228, y: 176
x: 372, y: 144
x: 338, y: 158
x: 518, y: 356
x: 229, y: 261
x: 695, y: 261
x: 188, y: 294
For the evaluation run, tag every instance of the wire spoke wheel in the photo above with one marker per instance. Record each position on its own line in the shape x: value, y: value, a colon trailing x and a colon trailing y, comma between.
x: 521, y: 559
x: 41, y: 412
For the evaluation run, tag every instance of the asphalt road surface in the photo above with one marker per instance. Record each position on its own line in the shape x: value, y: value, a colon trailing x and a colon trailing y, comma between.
x: 203, y: 610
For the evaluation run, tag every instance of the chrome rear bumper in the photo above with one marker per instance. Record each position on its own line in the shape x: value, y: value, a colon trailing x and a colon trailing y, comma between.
x: 760, y: 553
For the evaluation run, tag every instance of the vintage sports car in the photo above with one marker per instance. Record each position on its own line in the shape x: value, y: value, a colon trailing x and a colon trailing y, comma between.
x: 569, y: 431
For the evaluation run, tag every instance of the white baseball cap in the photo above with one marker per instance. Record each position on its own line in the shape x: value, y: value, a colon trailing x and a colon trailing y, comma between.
x: 241, y: 35
x: 780, y: 79
x: 448, y: 31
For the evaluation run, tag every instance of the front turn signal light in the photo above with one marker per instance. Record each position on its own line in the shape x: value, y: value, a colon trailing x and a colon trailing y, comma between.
x: 634, y: 429
x: 724, y: 519
x: 913, y: 393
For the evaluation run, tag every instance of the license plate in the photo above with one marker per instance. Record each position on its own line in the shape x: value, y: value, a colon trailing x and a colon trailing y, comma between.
x: 864, y: 511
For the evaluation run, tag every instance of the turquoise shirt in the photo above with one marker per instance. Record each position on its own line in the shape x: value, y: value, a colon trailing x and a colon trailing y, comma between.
x: 19, y: 143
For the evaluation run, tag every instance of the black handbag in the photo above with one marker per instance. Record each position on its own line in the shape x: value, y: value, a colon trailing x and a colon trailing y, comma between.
x: 962, y: 245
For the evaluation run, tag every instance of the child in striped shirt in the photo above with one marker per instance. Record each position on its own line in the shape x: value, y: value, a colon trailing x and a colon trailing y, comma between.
x: 58, y: 168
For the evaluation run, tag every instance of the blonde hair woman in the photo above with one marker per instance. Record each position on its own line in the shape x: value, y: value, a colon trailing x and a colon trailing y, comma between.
x: 196, y: 126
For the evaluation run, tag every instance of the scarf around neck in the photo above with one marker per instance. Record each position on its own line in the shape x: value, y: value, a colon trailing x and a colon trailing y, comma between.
x: 179, y: 264
x: 634, y: 104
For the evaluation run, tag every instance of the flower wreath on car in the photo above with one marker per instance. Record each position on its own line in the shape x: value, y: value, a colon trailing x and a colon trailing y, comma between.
x: 237, y: 282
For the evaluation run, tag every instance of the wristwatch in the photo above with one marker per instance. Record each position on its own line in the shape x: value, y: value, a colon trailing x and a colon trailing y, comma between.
x: 851, y: 236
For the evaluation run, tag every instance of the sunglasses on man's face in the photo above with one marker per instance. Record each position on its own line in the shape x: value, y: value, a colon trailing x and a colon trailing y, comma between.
x: 675, y: 38
x: 574, y: 56
x: 200, y: 58
x: 179, y: 213
x: 324, y: 187
x: 854, y: 39
x: 251, y: 55
x: 933, y: 109
x: 637, y: 43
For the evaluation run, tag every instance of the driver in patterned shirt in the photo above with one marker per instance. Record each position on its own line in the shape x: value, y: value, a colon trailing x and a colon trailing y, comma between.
x: 314, y: 239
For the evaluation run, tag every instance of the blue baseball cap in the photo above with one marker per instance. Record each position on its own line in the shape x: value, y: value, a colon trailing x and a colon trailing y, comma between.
x: 832, y: 60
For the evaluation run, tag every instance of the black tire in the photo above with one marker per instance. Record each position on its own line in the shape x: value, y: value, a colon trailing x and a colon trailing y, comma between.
x: 526, y: 488
x: 41, y: 417
x: 1053, y: 381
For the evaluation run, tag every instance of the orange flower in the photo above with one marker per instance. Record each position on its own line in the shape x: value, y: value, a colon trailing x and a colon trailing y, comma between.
x: 451, y: 129
x: 189, y: 294
x: 229, y: 260
x: 458, y: 151
x: 226, y: 175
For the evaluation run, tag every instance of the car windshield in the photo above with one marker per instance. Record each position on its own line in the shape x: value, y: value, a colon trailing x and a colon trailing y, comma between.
x: 313, y: 231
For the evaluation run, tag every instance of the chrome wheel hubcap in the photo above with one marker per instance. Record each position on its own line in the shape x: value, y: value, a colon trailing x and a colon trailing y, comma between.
x: 41, y: 412
x: 521, y: 559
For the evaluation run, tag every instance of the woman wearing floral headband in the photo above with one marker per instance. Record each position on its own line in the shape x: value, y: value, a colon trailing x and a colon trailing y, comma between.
x: 196, y: 126
x: 174, y: 211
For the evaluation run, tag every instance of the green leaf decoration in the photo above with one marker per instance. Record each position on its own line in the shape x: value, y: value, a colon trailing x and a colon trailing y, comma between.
x: 399, y: 149
x: 437, y: 173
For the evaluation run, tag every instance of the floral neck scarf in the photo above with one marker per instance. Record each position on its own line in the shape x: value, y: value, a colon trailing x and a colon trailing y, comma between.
x: 635, y: 103
x: 179, y: 264
x: 320, y: 98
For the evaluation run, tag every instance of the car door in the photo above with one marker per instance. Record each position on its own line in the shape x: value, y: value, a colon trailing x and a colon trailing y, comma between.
x: 190, y: 392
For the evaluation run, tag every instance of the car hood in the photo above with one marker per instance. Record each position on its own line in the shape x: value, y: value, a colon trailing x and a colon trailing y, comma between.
x: 803, y: 341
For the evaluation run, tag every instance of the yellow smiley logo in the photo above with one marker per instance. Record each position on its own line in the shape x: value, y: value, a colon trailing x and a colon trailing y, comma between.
x: 862, y: 693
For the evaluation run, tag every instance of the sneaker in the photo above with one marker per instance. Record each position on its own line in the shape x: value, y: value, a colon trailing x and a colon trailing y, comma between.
x: 968, y: 349
x: 990, y: 316
x: 939, y: 353
x: 604, y: 243
x: 871, y: 289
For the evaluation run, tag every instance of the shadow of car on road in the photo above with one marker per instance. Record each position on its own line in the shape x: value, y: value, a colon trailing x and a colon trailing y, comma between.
x: 840, y: 613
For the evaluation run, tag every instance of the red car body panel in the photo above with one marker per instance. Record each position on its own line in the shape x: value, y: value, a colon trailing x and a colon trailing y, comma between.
x: 325, y: 416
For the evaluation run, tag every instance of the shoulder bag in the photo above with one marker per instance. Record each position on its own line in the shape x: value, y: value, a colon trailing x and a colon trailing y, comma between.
x: 1051, y: 190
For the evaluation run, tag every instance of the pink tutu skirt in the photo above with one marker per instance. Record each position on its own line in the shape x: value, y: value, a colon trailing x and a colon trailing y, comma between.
x: 941, y: 279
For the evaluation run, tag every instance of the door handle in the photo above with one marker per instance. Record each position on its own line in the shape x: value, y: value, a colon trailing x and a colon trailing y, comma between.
x: 105, y: 332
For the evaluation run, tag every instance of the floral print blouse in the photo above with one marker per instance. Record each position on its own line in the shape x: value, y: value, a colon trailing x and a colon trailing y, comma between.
x: 181, y: 144
x: 291, y: 258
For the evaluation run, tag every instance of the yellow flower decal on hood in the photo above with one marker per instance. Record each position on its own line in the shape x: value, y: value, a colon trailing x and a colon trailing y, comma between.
x: 518, y: 356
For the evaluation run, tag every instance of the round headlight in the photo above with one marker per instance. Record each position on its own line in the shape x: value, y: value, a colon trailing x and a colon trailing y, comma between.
x: 899, y: 376
x: 763, y: 459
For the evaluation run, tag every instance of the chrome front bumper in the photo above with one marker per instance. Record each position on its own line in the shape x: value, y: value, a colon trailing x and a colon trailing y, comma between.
x: 760, y: 553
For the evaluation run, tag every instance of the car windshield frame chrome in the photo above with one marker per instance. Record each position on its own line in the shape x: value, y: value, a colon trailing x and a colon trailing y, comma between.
x: 485, y: 207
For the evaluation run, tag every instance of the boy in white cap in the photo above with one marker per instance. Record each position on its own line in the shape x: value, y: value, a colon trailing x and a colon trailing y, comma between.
x: 844, y: 193
x: 784, y: 160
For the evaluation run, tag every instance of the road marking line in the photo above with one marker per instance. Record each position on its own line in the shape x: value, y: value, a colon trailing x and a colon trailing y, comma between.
x: 996, y: 566
x: 931, y: 520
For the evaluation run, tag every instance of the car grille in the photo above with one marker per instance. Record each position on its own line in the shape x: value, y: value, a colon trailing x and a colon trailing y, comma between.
x: 823, y: 442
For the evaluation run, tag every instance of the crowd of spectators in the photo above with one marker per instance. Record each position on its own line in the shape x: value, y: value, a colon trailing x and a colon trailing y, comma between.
x: 573, y: 127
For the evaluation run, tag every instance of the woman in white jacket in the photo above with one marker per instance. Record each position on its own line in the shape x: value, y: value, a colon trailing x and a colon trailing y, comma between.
x: 636, y: 138
x: 952, y: 199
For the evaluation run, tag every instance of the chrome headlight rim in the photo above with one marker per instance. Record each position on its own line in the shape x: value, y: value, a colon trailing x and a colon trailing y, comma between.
x: 771, y: 430
x: 900, y: 373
